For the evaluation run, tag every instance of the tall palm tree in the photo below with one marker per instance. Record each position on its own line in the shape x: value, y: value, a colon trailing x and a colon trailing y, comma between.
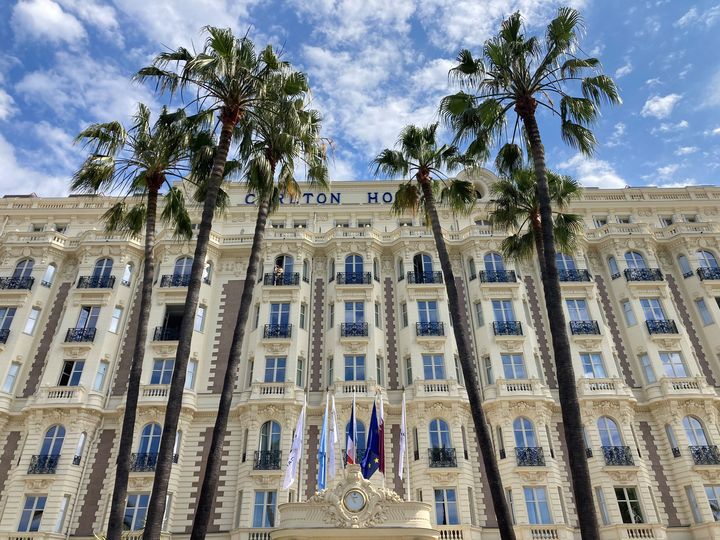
x: 284, y: 134
x: 227, y: 80
x: 422, y: 160
x: 523, y: 73
x: 137, y: 163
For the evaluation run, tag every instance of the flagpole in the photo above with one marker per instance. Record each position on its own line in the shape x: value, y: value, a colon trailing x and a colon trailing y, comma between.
x: 382, y: 441
x: 299, y: 478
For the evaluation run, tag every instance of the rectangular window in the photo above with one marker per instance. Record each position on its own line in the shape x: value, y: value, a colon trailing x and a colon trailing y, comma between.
x: 666, y: 221
x: 600, y: 221
x: 713, y: 496
x: 331, y: 315
x: 88, y: 317
x: 32, y: 321
x: 190, y: 374
x: 32, y: 513
x: 433, y: 366
x: 537, y: 506
x: 299, y: 372
x: 404, y: 314
x: 652, y: 309
x: 471, y: 501
x: 379, y: 370
x: 479, y: 318
x: 503, y: 311
x: 408, y: 371
x: 135, y: 511
x: 6, y: 317
x: 257, y: 316
x: 489, y: 376
x: 378, y: 320
x: 100, y: 375
x: 64, y: 503
x: 577, y: 308
x: 602, y: 504
x: 458, y: 371
x: 354, y: 312
x: 704, y: 312
x: 593, y: 367
x: 647, y: 369
x: 275, y: 369
x: 446, y: 512
x: 355, y: 367
x: 673, y: 364
x: 71, y: 373
x: 630, y: 319
x: 623, y: 219
x: 250, y: 367
x: 200, y: 319
x: 280, y: 314
x: 303, y: 315
x: 264, y: 509
x: 166, y: 513
x: 427, y: 311
x: 11, y: 377
x: 330, y: 370
x: 162, y: 371
x: 115, y: 321
x: 693, y: 504
x: 513, y: 366
x: 511, y: 504
x: 629, y: 505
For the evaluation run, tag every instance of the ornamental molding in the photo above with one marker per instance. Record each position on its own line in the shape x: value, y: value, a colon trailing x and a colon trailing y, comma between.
x: 624, y: 474
x: 538, y: 475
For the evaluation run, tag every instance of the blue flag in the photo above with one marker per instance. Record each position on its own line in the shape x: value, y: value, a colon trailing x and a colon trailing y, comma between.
x: 371, y: 461
x: 322, y: 451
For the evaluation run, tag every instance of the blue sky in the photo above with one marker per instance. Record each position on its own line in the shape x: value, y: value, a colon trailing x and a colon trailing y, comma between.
x: 374, y: 66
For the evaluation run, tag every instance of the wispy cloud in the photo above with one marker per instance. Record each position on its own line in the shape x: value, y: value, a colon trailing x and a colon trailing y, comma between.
x: 45, y: 20
x: 660, y: 106
x: 7, y: 105
x: 617, y: 135
x: 623, y: 70
x: 593, y: 172
x: 686, y: 150
x: 669, y: 127
x: 694, y: 17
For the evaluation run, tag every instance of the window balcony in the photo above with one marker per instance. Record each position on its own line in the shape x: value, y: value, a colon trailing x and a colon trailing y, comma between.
x: 507, y: 328
x: 359, y: 454
x: 267, y: 460
x: 708, y: 273
x: 705, y: 455
x: 583, y: 328
x: 424, y: 277
x: 574, y: 275
x: 618, y: 455
x: 282, y: 279
x: 430, y: 329
x: 4, y: 334
x: 354, y: 278
x: 17, y: 283
x: 80, y: 335
x: 356, y: 329
x: 498, y: 276
x: 277, y: 331
x: 643, y: 274
x: 442, y: 457
x: 166, y: 333
x: 175, y: 280
x: 530, y: 456
x: 146, y: 462
x: 662, y: 326
x: 96, y: 282
x: 43, y: 464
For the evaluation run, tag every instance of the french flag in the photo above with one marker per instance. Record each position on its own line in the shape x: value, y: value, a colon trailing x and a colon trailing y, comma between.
x: 351, y: 450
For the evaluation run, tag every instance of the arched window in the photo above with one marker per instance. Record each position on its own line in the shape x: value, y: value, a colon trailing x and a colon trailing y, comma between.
x: 49, y: 276
x: 609, y: 432
x: 360, y: 440
x: 269, y: 437
x: 706, y: 259
x: 422, y: 264
x: 23, y: 268
x: 524, y: 433
x: 439, y: 434
x: 207, y: 272
x: 471, y: 268
x: 695, y: 432
x: 684, y: 265
x: 306, y: 271
x: 613, y: 266
x: 354, y: 264
x: 634, y: 260
x: 494, y: 262
x: 183, y: 266
x: 150, y: 439
x: 284, y: 264
x: 564, y: 261
x: 53, y: 441
x: 127, y: 274
x: 103, y: 268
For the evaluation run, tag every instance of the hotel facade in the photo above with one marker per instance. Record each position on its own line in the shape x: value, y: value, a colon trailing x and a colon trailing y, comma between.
x: 351, y: 302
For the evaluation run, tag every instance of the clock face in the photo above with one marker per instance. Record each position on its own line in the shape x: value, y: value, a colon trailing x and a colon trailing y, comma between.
x: 354, y: 500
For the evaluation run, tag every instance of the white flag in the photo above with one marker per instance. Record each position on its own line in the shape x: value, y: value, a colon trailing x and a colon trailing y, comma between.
x: 295, y: 451
x: 333, y: 439
x: 403, y: 440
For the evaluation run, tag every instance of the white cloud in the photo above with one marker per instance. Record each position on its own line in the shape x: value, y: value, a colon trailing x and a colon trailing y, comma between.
x: 712, y: 91
x: 693, y: 18
x: 668, y: 128
x: 102, y: 17
x: 667, y: 170
x: 7, y: 105
x: 714, y: 131
x: 685, y: 150
x: 18, y: 179
x: 593, y: 172
x: 653, y: 82
x: 623, y: 70
x: 690, y: 16
x: 45, y: 20
x: 677, y: 184
x: 617, y: 135
x: 660, y: 106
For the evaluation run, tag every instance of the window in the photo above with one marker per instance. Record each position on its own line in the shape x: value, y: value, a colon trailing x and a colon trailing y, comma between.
x: 479, y: 318
x: 446, y: 512
x: 694, y: 431
x: 494, y: 262
x: 303, y: 315
x: 379, y: 370
x: 88, y: 317
x: 32, y: 513
x: 53, y: 441
x: 503, y: 311
x: 37, y: 227
x: 613, y: 266
x: 634, y: 260
x: 433, y: 366
x: 422, y: 265
x: 629, y: 505
x: 280, y: 314
x: 71, y: 373
x: 537, y: 505
x: 630, y: 319
x: 6, y: 317
x: 299, y: 372
x: 331, y: 315
x: 652, y: 309
x: 666, y: 221
x: 471, y: 269
x: 331, y: 270
x: 672, y: 440
x: 150, y: 441
x: 115, y: 321
x: 524, y: 433
x: 200, y: 319
x: 275, y: 369
x: 690, y: 218
x: 489, y: 377
x: 355, y: 367
x: 602, y: 504
x: 207, y: 272
x: 376, y: 263
x: 693, y: 504
x: 162, y: 371
x: 360, y: 436
x: 306, y: 270
x: 404, y: 314
x: 61, y: 513
x: 354, y: 312
x: 408, y: 371
x: 684, y: 266
x: 100, y: 375
x: 10, y: 378
x: 32, y: 321
x: 624, y: 219
x: 354, y: 264
x: 49, y: 275
x: 80, y: 448
x: 458, y: 371
x: 511, y: 504
x: 673, y: 364
x: 609, y: 432
x: 269, y: 437
x: 704, y: 312
x: 250, y: 367
x: 135, y: 511
x: 103, y: 268
x: 577, y: 308
x: 713, y: 496
x: 183, y: 266
x: 513, y: 366
x: 127, y: 274
x: 564, y: 261
x: 706, y: 259
x: 600, y: 221
x: 593, y: 367
x: 23, y: 269
x: 377, y: 315
x: 256, y: 319
x: 647, y: 369
x: 190, y: 374
x: 264, y: 509
x: 427, y: 311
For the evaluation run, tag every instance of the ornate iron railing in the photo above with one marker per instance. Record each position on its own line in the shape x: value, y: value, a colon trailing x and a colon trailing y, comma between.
x: 43, y: 464
x: 267, y: 460
x: 675, y: 451
x: 17, y: 282
x: 705, y: 455
x: 617, y: 455
x: 146, y: 461
x: 354, y: 329
x: 283, y: 278
x: 4, y: 334
x: 507, y: 328
x: 354, y: 278
x: 574, y: 275
x: 277, y: 331
x: 96, y: 282
x: 430, y: 328
x: 442, y: 457
x: 662, y: 326
x: 708, y: 273
x: 530, y: 456
x: 175, y: 280
x: 414, y: 276
x: 166, y: 333
x: 77, y: 335
x: 643, y: 274
x: 584, y: 327
x: 498, y: 276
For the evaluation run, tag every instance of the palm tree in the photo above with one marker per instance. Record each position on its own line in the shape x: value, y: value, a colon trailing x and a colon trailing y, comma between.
x: 137, y: 163
x: 283, y: 135
x: 422, y: 160
x: 522, y: 74
x: 228, y: 80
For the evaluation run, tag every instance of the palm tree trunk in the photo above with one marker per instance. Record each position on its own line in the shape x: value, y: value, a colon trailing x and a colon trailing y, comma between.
x: 567, y: 384
x: 538, y: 239
x: 469, y: 367
x: 212, y: 468
x: 122, y: 469
x: 156, y: 506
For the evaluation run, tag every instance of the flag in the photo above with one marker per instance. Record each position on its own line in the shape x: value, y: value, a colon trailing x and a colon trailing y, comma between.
x: 381, y: 436
x: 333, y: 439
x: 403, y: 440
x: 371, y: 461
x: 295, y: 451
x: 322, y: 453
x: 350, y: 445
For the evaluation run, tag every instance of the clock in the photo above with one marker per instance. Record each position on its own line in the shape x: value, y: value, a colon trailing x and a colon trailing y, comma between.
x: 354, y: 500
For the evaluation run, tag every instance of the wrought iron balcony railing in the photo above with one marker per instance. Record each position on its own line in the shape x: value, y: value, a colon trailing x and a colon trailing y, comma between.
x: 354, y: 278
x: 414, y: 276
x: 498, y: 276
x: 175, y: 280
x: 643, y: 274
x: 354, y: 329
x: 675, y: 451
x: 43, y: 464
x: 146, y: 461
x: 267, y: 460
x: 705, y: 455
x: 96, y: 282
x: 507, y: 328
x: 530, y: 456
x: 708, y: 273
x: 359, y: 455
x: 4, y: 334
x: 617, y: 455
x: 166, y: 333
x: 662, y: 326
x: 76, y: 460
x: 78, y: 335
x: 579, y: 328
x: 574, y: 275
x: 588, y: 452
x: 281, y: 279
x: 442, y: 457
x: 430, y: 328
x: 17, y: 282
x: 277, y: 331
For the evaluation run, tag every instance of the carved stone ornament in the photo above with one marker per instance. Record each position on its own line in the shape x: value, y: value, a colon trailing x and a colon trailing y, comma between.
x: 38, y: 484
x: 622, y: 474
